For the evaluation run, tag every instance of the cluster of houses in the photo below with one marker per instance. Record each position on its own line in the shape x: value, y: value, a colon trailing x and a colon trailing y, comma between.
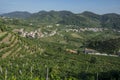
x: 31, y: 34
x: 6, y: 18
x: 35, y: 34
x: 87, y: 29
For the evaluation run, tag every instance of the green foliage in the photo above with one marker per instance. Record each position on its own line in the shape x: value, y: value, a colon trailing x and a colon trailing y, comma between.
x: 111, y: 21
x: 2, y: 37
x: 2, y: 27
x: 110, y: 46
x: 93, y: 60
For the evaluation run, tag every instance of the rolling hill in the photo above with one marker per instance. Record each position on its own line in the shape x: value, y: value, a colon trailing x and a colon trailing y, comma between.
x: 85, y: 19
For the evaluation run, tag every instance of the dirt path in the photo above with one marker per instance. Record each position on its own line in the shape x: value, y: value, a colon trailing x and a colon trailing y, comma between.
x: 6, y: 39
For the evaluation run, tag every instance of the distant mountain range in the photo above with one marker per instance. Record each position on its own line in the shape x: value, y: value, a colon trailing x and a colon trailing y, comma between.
x: 85, y: 19
x: 17, y: 14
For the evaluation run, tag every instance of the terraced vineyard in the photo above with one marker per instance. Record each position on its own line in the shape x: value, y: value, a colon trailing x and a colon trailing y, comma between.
x: 11, y: 45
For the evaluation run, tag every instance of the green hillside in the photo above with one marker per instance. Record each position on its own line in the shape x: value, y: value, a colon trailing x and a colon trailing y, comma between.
x: 111, y: 20
x: 13, y: 46
x: 23, y: 59
x: 29, y: 59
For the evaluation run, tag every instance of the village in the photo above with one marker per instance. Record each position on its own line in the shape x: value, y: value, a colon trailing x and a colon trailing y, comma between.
x: 35, y: 34
x: 39, y: 34
x: 86, y: 29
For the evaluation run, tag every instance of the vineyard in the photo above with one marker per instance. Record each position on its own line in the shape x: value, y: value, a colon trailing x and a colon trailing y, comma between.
x: 58, y: 57
x: 28, y: 59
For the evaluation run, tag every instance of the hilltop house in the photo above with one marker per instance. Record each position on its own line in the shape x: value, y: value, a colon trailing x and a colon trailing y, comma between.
x: 118, y: 53
x: 89, y: 51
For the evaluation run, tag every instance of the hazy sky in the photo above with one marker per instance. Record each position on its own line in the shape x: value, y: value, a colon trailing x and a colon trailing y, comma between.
x: 77, y: 6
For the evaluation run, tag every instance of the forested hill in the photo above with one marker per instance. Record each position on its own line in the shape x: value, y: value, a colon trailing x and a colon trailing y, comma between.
x: 17, y: 14
x: 85, y: 19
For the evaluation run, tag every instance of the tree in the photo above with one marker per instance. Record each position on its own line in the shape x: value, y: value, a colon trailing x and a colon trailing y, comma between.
x: 93, y: 60
x: 110, y: 46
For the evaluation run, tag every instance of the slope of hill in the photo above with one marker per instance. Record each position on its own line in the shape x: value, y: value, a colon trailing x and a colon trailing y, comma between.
x: 111, y: 21
x: 91, y: 15
x: 13, y: 46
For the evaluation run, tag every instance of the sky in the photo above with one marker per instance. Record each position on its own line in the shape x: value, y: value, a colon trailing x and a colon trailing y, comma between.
x: 76, y: 6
